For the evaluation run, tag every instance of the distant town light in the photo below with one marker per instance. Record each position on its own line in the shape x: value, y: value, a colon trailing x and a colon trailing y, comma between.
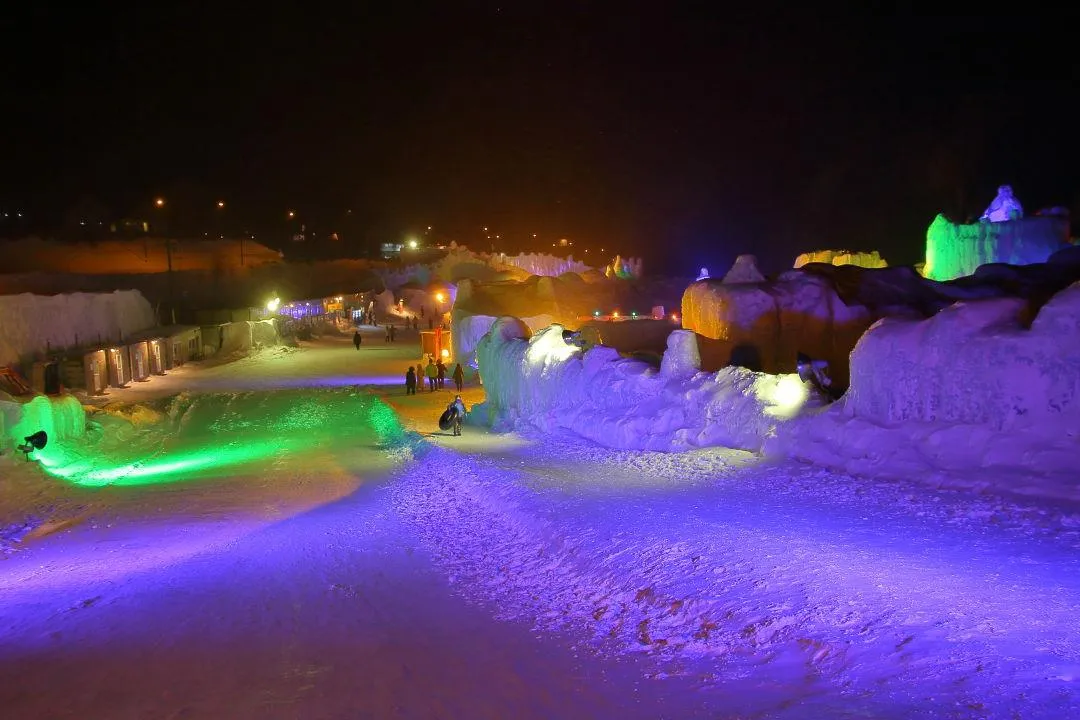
x: 160, y: 202
x: 413, y: 244
x: 221, y: 203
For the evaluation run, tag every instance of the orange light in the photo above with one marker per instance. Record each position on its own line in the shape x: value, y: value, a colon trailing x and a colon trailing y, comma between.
x: 221, y: 203
x: 160, y: 202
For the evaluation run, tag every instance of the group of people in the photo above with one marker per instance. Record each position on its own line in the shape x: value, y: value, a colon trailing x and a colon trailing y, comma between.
x: 435, y: 372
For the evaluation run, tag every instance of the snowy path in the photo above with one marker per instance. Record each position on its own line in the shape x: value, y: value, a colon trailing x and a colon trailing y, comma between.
x: 286, y: 588
x: 494, y: 576
x: 825, y: 594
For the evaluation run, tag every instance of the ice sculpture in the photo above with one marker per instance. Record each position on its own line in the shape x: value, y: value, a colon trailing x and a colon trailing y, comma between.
x: 954, y: 251
x: 1005, y: 207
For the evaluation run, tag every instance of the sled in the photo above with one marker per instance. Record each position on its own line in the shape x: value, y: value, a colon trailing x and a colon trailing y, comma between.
x: 446, y: 420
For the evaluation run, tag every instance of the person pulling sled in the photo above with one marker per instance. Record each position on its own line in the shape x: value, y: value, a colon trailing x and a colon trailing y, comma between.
x: 454, y: 416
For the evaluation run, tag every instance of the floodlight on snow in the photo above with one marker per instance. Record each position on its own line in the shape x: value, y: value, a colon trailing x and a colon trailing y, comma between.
x: 273, y: 304
x: 37, y: 441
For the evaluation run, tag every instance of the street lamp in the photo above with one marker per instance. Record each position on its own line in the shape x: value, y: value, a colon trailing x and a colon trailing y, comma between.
x: 159, y: 202
x: 220, y: 204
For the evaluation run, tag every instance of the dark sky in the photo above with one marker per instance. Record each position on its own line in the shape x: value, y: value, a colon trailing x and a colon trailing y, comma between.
x: 679, y: 131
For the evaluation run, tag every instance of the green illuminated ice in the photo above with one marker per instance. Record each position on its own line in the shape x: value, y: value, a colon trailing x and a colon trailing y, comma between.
x: 203, y: 435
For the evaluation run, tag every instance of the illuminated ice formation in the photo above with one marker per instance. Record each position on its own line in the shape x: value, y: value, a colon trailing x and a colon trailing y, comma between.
x: 1004, y: 207
x: 954, y: 251
x: 624, y: 268
x: 842, y: 257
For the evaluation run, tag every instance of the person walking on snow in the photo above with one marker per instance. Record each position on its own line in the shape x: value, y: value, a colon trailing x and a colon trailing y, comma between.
x: 356, y: 339
x: 459, y: 413
x: 459, y: 377
x: 440, y: 369
x: 410, y: 381
x: 432, y: 373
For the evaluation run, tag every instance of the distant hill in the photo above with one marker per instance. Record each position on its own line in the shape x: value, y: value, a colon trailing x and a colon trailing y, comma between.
x: 131, y: 257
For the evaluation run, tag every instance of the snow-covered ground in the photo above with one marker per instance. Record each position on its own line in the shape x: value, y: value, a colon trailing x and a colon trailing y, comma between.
x: 369, y: 572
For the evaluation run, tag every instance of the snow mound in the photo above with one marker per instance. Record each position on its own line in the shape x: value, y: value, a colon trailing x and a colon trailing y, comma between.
x: 969, y: 388
x: 744, y: 270
x: 546, y: 383
x: 973, y: 363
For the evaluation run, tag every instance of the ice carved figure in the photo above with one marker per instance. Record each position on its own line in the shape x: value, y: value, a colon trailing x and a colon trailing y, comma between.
x: 1004, y: 207
x: 703, y: 275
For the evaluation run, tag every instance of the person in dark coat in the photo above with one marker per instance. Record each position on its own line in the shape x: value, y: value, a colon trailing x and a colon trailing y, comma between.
x: 410, y: 381
x: 459, y: 414
x: 357, y: 339
x: 440, y: 368
x: 459, y: 377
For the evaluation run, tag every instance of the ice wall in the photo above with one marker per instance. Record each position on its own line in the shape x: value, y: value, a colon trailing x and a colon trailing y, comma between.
x: 970, y: 388
x: 954, y: 251
x: 541, y: 264
x: 973, y: 363
x: 31, y: 324
x: 842, y: 257
x: 542, y: 382
x: 764, y: 325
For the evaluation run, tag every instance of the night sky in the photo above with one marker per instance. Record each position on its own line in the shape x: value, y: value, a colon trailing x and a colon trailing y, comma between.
x: 680, y: 132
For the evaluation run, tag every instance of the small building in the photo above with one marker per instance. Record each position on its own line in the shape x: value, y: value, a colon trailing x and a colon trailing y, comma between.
x: 183, y: 343
x: 119, y: 366
x: 86, y: 368
x: 436, y: 343
x: 139, y: 360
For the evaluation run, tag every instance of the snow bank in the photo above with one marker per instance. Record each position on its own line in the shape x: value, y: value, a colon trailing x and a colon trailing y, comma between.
x: 969, y: 388
x: 36, y: 323
x: 63, y: 418
x: 622, y: 403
